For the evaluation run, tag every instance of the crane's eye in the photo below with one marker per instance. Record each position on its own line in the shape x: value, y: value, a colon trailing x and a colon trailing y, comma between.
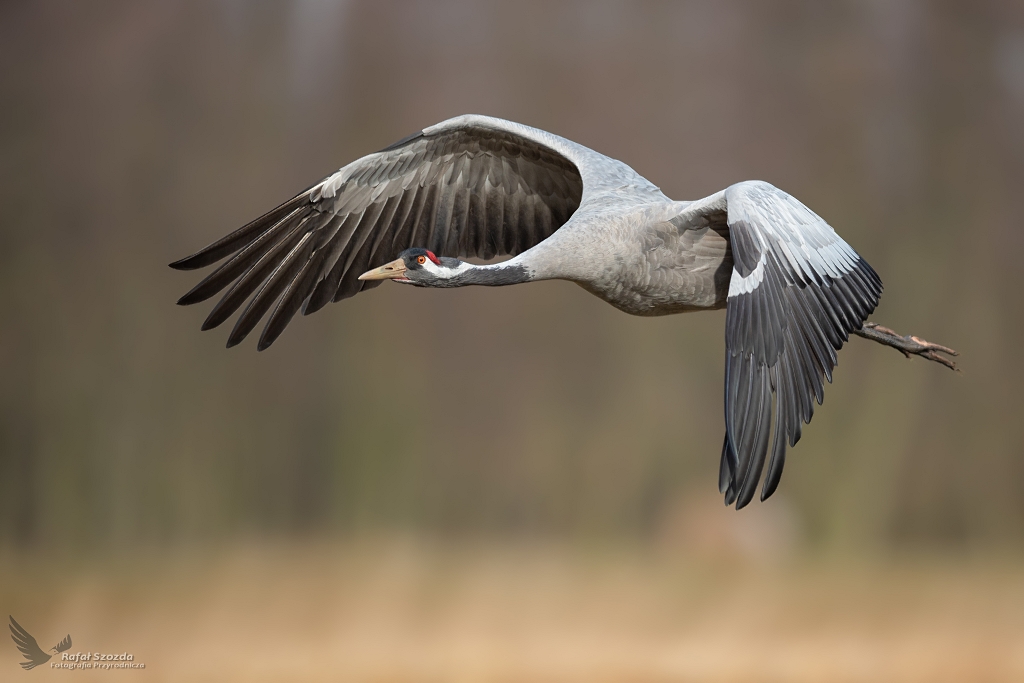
x: 421, y: 260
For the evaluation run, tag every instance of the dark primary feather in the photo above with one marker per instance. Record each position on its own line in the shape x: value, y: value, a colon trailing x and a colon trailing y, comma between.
x: 464, y: 191
x: 782, y: 336
x: 28, y: 646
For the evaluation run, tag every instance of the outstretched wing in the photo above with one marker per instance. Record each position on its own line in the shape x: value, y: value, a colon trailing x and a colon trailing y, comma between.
x: 471, y: 186
x: 796, y: 292
x: 64, y: 645
x: 28, y: 646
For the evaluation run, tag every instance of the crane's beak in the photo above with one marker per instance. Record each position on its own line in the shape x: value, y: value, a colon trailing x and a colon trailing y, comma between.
x: 389, y: 271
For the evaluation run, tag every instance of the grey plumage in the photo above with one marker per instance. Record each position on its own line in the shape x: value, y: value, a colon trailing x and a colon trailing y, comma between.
x: 476, y: 186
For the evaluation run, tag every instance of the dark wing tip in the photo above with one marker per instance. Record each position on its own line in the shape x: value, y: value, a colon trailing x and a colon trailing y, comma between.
x: 187, y: 263
x: 730, y: 496
x: 187, y: 300
x: 274, y: 327
x: 774, y: 476
x: 236, y: 240
x: 724, y: 469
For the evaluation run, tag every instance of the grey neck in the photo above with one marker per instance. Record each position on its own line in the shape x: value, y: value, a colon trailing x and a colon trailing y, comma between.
x: 493, y: 275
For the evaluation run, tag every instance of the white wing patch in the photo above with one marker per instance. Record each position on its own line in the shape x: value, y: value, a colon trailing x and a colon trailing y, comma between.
x: 793, y: 244
x: 744, y: 285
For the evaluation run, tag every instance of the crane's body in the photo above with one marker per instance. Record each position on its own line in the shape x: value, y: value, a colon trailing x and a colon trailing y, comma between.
x: 484, y: 187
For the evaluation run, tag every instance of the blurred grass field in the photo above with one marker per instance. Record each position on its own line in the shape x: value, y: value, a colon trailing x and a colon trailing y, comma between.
x: 401, y: 609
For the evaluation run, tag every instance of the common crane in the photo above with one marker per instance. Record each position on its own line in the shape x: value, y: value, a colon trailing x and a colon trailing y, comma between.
x: 477, y: 186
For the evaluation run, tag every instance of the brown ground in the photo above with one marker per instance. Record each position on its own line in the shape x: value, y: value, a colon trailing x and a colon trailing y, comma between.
x: 413, y: 611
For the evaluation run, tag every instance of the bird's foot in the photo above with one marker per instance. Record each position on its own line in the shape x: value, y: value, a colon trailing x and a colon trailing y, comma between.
x: 909, y: 344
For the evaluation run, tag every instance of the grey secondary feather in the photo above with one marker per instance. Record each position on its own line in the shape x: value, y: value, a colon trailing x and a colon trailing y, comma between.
x: 476, y: 186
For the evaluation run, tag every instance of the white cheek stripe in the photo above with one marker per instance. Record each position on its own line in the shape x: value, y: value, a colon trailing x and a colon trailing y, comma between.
x: 446, y: 273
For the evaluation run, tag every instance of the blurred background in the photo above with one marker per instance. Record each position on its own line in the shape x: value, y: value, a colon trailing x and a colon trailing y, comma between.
x: 539, y: 500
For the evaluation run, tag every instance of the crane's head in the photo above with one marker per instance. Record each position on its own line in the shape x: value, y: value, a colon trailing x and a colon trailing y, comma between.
x: 418, y: 267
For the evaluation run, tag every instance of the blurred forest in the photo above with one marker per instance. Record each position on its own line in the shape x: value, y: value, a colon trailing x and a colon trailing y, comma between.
x: 133, y: 133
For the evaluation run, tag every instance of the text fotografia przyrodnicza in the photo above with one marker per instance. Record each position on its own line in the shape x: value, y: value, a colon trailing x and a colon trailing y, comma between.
x: 97, y: 660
